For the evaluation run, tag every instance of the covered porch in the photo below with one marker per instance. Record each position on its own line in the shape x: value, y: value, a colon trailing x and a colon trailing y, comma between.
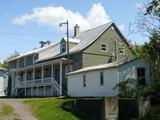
x: 41, y: 79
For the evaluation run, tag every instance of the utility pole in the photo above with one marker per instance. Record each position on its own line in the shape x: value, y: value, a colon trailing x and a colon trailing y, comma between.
x: 67, y: 33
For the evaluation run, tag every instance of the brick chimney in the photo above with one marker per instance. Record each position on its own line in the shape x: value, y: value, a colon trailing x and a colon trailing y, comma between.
x: 76, y: 30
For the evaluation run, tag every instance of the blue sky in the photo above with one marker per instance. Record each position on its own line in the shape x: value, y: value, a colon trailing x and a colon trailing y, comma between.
x: 23, y: 23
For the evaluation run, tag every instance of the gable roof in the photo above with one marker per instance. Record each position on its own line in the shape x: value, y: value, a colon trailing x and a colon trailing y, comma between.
x: 89, y: 36
x: 103, y: 66
x: 84, y: 39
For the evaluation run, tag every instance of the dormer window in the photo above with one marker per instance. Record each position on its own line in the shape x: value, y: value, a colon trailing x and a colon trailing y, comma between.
x: 17, y: 66
x: 63, y: 47
x: 25, y: 61
x: 35, y: 57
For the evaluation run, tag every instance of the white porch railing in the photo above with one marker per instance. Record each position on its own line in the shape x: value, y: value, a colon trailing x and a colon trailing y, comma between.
x: 36, y: 82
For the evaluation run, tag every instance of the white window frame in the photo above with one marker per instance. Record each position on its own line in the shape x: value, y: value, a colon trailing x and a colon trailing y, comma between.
x: 18, y: 63
x: 101, y: 47
x: 33, y: 59
x: 25, y: 60
x: 101, y: 80
x: 84, y: 80
x: 63, y: 46
x: 122, y: 47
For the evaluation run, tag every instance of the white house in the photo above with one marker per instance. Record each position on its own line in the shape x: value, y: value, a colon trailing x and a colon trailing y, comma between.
x: 3, y: 81
x: 99, y: 81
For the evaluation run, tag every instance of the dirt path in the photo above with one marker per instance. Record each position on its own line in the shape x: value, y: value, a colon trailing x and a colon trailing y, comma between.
x: 20, y: 110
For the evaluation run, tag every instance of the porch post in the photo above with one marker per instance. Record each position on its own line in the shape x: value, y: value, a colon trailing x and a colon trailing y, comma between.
x: 44, y: 90
x: 51, y: 90
x: 52, y: 71
x: 37, y: 90
x: 42, y: 74
x: 13, y: 80
x: 60, y: 78
x: 33, y: 75
x: 31, y: 91
x: 25, y: 82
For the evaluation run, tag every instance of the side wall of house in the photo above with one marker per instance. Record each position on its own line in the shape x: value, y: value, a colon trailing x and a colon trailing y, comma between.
x: 77, y: 61
x: 129, y: 70
x: 93, y: 87
x: 93, y: 55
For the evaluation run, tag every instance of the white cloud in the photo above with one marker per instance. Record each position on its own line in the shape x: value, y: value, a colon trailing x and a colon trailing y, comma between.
x: 51, y: 16
x: 140, y: 5
x: 121, y: 27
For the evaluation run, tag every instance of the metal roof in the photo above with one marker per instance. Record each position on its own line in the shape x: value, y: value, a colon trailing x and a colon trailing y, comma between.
x: 89, y: 36
x: 84, y: 39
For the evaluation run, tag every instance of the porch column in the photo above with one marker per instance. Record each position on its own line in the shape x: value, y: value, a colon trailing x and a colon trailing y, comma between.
x: 51, y: 90
x: 52, y: 71
x: 25, y: 75
x: 33, y: 75
x: 60, y: 93
x: 37, y: 90
x: 42, y: 74
x: 31, y: 91
x: 44, y: 91
x: 13, y: 80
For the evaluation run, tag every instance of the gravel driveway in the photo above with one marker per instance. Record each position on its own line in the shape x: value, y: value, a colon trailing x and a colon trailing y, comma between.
x: 20, y: 110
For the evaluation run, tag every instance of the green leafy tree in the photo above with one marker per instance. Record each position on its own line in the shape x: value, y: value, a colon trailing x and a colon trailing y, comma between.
x: 150, y: 52
x: 127, y: 88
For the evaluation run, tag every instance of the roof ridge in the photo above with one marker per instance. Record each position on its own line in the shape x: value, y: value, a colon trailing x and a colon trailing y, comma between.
x: 96, y: 27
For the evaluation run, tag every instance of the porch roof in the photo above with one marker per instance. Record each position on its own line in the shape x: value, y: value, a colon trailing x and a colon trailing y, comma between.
x: 63, y: 60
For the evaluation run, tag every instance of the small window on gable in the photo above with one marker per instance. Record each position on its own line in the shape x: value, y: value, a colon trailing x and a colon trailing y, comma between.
x: 104, y: 48
x: 35, y: 57
x: 84, y: 81
x: 63, y: 47
x: 121, y: 50
x: 101, y: 78
x: 18, y: 63
x: 141, y: 76
x: 25, y: 61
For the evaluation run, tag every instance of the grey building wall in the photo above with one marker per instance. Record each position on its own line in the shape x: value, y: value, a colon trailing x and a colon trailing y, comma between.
x: 93, y: 55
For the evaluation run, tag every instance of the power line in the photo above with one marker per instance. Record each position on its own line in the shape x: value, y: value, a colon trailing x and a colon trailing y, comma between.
x: 29, y: 34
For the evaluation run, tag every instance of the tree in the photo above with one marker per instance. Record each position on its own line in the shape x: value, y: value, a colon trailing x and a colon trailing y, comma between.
x: 127, y: 88
x: 151, y: 53
x: 149, y: 22
x: 148, y: 19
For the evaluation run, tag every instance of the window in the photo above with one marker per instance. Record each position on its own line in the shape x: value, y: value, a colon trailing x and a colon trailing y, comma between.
x: 25, y: 61
x: 70, y: 69
x: 38, y: 73
x: 35, y: 57
x: 47, y: 71
x: 121, y: 50
x: 104, y: 47
x: 101, y: 78
x: 84, y: 81
x: 141, y: 76
x: 63, y: 47
x: 18, y: 63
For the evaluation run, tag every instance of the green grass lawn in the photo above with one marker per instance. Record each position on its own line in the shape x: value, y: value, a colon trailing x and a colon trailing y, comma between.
x: 6, y: 110
x: 50, y: 109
